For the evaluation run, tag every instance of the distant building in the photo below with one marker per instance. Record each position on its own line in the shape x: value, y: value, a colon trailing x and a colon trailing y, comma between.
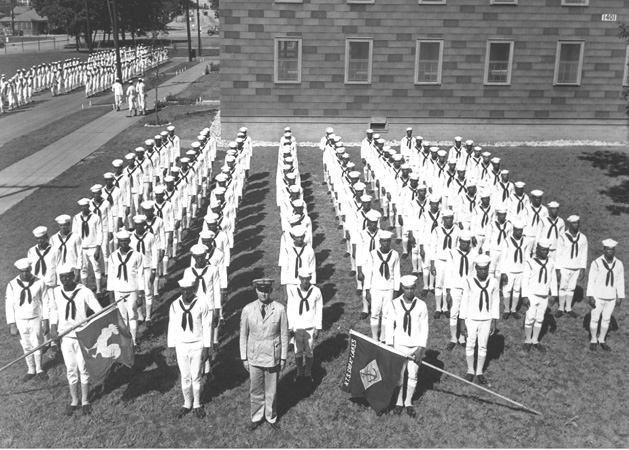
x: 26, y: 20
x: 484, y: 69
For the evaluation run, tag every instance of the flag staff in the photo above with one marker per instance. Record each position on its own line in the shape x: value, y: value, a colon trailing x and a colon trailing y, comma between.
x: 92, y: 317
x: 520, y: 405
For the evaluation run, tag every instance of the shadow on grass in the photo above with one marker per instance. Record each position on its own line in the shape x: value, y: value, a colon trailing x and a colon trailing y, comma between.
x: 549, y: 325
x: 331, y: 314
x: 291, y: 393
x: 427, y: 377
x: 616, y: 164
x: 613, y: 325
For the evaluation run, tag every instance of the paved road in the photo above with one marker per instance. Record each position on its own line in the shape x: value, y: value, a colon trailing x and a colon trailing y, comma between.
x: 48, y: 109
x: 24, y: 177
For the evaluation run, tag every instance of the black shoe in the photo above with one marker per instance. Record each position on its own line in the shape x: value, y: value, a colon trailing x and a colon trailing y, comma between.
x: 70, y: 409
x: 27, y: 377
x: 469, y: 377
x: 437, y: 314
x: 540, y: 348
x: 411, y: 411
x: 572, y: 314
x: 506, y: 315
x: 450, y: 346
x: 299, y: 379
x: 558, y: 313
x: 364, y: 315
x: 605, y: 347
x: 182, y: 412
x: 424, y: 292
x: 527, y: 347
x: 447, y: 314
x: 398, y: 410
x: 275, y: 426
x: 481, y: 379
x: 254, y: 425
x: 515, y: 315
x: 199, y: 412
x: 42, y: 376
x: 593, y: 346
x: 404, y: 255
x: 148, y: 322
x: 86, y: 410
x: 352, y: 273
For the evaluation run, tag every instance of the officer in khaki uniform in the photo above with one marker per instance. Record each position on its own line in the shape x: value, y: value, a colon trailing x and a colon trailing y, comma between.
x: 263, y: 350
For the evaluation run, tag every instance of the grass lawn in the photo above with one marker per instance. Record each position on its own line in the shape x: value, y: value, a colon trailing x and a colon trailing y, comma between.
x: 582, y: 394
x: 9, y: 64
x: 206, y: 88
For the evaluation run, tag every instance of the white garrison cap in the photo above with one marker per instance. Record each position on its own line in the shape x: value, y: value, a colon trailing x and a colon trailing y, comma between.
x: 22, y: 264
x: 302, y: 272
x: 408, y: 280
x: 482, y: 260
x: 148, y: 204
x: 40, y: 232
x: 537, y: 193
x: 96, y: 188
x: 117, y: 162
x: 519, y: 184
x: 544, y: 243
x: 373, y: 215
x: 553, y: 204
x: 63, y: 218
x: 158, y: 189
x: 384, y: 235
x: 84, y: 202
x: 123, y: 234
x: 198, y: 249
x: 573, y: 218
x: 298, y: 231
x: 609, y: 243
x: 139, y: 218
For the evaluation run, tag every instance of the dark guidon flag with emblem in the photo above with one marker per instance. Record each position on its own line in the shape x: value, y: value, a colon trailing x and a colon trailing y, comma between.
x: 372, y: 370
x: 104, y: 341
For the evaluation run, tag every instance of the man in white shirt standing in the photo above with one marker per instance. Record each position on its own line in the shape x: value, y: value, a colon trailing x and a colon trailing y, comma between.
x: 118, y: 93
x: 407, y: 331
x: 304, y: 310
x: 605, y: 290
x: 88, y: 226
x: 571, y: 261
x: 480, y: 310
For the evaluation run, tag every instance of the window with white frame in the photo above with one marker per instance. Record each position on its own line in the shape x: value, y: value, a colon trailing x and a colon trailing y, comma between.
x: 360, y: 1
x: 575, y: 2
x: 428, y: 61
x: 569, y: 62
x: 430, y: 2
x: 287, y: 60
x: 625, y: 78
x: 358, y: 60
x: 503, y: 2
x: 498, y: 59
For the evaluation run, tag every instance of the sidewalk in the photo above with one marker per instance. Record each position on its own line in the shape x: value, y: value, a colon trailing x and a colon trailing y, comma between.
x: 24, y: 177
x: 46, y: 109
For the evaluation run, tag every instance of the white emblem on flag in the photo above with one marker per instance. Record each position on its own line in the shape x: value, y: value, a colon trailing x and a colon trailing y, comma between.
x: 101, y: 347
x: 370, y: 374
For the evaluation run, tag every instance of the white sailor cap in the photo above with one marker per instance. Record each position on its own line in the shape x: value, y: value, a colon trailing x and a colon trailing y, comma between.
x: 84, y: 202
x: 171, y: 128
x: 159, y: 189
x: 185, y: 283
x: 220, y: 190
x: 452, y: 160
x: 149, y: 142
x: 501, y: 209
x: 147, y: 205
x: 434, y: 198
x: 117, y: 162
x: 108, y: 176
x: 287, y: 134
x: 519, y: 224
x: 294, y: 219
x: 471, y: 182
x: 495, y: 160
x: 408, y: 280
x: 366, y: 198
x: 544, y: 243
x: 406, y: 166
x: 369, y: 131
x: 409, y: 129
x: 242, y: 129
x: 195, y: 144
x: 354, y: 174
x: 239, y: 139
x: 573, y: 218
x: 298, y: 231
x: 123, y: 235
x: 169, y: 178
x: 287, y: 129
x: 211, y: 218
x: 63, y: 219
x: 457, y: 139
x: 482, y: 260
x: 62, y: 269
x: 96, y: 188
x: 553, y: 204
x: 129, y: 156
x: 359, y: 186
x: 289, y: 159
x: 486, y: 154
x: 460, y: 166
x: 397, y: 157
x: 414, y: 176
x: 537, y: 193
x: 207, y: 234
x: 504, y: 172
x: 419, y: 138
x: 175, y: 169
x: 163, y: 133
x: 469, y: 142
x: 221, y: 177
x: 478, y: 148
x: 376, y: 136
x: 465, y: 235
x: 139, y: 218
x: 230, y: 158
x: 303, y: 272
x: 519, y: 184
x: 298, y: 203
x: 40, y: 232
x: 610, y: 243
x: 384, y: 235
x: 440, y: 152
x: 291, y: 175
x: 484, y: 193
x: 294, y: 189
x: 22, y: 264
x: 373, y: 215
x: 232, y: 145
x: 422, y: 185
x: 139, y: 149
x: 329, y: 130
x: 447, y: 213
x: 184, y: 160
x: 199, y: 249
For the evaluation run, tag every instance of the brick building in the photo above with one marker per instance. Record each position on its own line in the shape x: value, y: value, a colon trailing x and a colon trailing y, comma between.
x: 485, y: 69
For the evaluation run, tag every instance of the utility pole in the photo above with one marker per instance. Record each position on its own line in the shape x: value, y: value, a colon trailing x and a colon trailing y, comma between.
x: 114, y: 24
x: 199, y: 27
x: 188, y: 29
x: 88, y: 32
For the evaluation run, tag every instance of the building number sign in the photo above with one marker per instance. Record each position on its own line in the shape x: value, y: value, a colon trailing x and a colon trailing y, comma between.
x: 609, y: 17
